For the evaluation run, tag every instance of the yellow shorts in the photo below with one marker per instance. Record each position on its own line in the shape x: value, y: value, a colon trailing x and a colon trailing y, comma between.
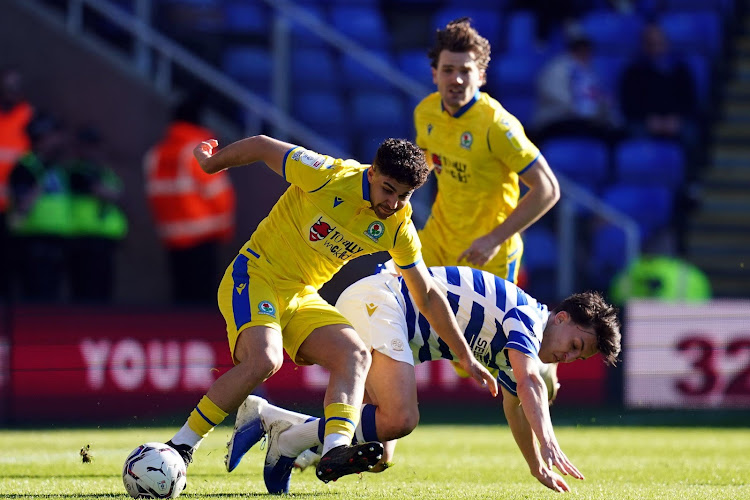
x: 247, y: 297
x: 435, y: 254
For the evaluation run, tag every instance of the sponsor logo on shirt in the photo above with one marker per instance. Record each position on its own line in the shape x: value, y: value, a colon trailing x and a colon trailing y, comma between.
x: 437, y: 164
x: 397, y: 345
x: 320, y: 230
x: 309, y: 158
x: 240, y: 288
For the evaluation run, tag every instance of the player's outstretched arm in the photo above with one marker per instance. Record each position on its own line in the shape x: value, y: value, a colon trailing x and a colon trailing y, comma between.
x: 527, y: 443
x: 533, y: 396
x: 434, y: 306
x: 243, y: 152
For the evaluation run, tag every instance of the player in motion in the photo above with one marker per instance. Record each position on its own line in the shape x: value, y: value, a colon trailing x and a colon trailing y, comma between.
x: 335, y: 210
x: 509, y: 332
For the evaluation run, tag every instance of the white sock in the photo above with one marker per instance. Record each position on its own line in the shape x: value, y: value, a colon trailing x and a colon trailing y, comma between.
x: 187, y: 436
x: 299, y: 437
x: 271, y: 413
x: 334, y: 440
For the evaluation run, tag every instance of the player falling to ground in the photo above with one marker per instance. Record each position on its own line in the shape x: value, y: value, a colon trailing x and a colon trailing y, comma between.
x: 509, y: 332
x: 335, y: 210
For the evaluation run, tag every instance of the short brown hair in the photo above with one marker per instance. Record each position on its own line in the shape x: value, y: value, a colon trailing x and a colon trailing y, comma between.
x: 590, y: 310
x: 403, y: 161
x: 460, y: 36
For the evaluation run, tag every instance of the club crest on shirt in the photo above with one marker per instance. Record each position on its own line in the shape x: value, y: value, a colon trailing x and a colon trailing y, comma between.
x: 309, y: 158
x: 375, y: 230
x: 320, y: 230
x: 265, y: 307
x: 466, y: 140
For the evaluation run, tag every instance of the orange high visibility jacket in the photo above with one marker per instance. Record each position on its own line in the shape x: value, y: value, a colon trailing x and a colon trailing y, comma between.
x: 189, y: 206
x: 14, y: 143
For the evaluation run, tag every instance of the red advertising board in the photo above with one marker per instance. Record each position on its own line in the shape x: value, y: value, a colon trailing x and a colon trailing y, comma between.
x: 99, y: 365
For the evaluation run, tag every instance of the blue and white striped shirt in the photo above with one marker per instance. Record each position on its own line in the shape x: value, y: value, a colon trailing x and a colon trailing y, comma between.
x: 493, y: 313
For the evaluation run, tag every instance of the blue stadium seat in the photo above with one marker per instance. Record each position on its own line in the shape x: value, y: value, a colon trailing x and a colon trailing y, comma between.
x: 612, y: 32
x: 652, y: 207
x: 514, y: 73
x: 540, y: 249
x: 357, y: 76
x: 415, y: 64
x: 488, y: 21
x: 610, y: 67
x: 378, y: 109
x: 583, y: 160
x: 302, y: 36
x: 325, y: 113
x: 649, y: 162
x: 314, y: 68
x: 725, y: 7
x: 247, y: 18
x: 520, y: 106
x: 520, y: 28
x: 251, y: 66
x: 693, y: 31
x: 700, y: 67
x: 608, y: 254
x: 365, y: 24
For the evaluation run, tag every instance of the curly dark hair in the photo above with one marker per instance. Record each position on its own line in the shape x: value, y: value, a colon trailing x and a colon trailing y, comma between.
x: 460, y: 36
x: 403, y: 161
x: 590, y: 310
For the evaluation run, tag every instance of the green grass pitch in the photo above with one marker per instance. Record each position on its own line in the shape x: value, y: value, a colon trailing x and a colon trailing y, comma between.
x: 435, y: 462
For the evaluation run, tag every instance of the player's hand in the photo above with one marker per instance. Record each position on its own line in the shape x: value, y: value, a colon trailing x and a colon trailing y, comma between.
x: 204, y: 151
x: 553, y: 455
x: 552, y: 480
x: 481, y: 251
x: 480, y: 374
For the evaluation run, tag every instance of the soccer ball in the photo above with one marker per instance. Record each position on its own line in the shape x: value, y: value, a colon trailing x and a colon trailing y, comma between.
x: 154, y: 470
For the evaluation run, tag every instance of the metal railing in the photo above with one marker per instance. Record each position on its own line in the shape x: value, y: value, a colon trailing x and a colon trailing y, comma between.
x: 149, y: 43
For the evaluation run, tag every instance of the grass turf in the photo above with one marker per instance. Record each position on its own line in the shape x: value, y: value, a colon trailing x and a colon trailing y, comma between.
x: 435, y: 462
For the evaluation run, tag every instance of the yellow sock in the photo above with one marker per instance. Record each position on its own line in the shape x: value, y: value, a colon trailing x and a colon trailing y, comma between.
x: 205, y: 417
x: 341, y: 419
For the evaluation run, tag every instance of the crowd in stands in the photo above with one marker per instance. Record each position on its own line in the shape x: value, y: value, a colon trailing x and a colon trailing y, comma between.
x: 616, y: 93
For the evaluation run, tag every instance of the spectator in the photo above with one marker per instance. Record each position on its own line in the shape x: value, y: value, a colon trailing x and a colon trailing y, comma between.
x: 657, y: 92
x: 15, y: 115
x: 98, y: 222
x: 193, y: 211
x: 572, y: 99
x: 40, y: 217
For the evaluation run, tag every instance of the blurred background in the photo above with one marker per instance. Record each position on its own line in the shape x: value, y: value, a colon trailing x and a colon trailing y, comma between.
x: 655, y: 206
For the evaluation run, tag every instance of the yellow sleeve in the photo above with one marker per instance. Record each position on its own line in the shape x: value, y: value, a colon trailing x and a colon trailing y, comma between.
x: 307, y: 169
x: 407, y: 249
x: 509, y: 144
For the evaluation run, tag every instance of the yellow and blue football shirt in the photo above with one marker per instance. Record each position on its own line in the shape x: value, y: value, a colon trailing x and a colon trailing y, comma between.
x: 323, y: 220
x: 477, y: 155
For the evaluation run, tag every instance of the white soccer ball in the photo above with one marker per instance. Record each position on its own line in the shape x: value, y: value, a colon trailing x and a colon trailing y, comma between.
x: 154, y: 470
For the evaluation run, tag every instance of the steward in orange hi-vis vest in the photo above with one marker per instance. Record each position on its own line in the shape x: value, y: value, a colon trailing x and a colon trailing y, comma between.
x: 14, y: 142
x: 189, y: 206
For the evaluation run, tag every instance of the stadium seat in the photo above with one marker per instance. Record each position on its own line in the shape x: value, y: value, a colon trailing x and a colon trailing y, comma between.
x: 612, y: 32
x: 540, y: 249
x: 356, y: 76
x: 650, y: 206
x: 415, y: 64
x: 700, y: 68
x: 649, y: 162
x: 325, y: 113
x: 514, y: 73
x: 725, y: 7
x: 488, y: 21
x: 364, y: 24
x: 693, y: 31
x: 520, y: 28
x: 378, y: 109
x: 247, y: 18
x: 608, y: 254
x: 520, y: 106
x: 301, y: 36
x: 314, y: 68
x: 251, y: 66
x: 610, y: 67
x: 583, y: 160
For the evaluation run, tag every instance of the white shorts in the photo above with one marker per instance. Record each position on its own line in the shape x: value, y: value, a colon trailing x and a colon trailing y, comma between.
x: 373, y: 306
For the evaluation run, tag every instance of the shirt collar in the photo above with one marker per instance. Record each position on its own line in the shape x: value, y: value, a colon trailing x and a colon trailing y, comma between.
x: 465, y: 107
x: 365, y: 185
